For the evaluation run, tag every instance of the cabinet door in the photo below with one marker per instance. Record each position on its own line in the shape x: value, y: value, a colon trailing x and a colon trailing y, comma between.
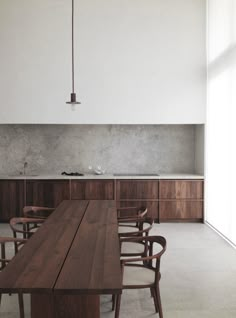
x: 181, y: 189
x: 180, y: 210
x: 92, y: 189
x: 152, y: 207
x: 11, y: 199
x: 49, y: 193
x: 136, y: 189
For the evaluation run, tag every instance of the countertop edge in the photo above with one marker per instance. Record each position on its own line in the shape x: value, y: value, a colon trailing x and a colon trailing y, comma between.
x: 103, y: 177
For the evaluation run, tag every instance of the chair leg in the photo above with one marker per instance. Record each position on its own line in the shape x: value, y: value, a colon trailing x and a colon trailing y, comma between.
x: 113, y: 301
x: 21, y: 305
x: 153, y: 292
x: 117, y: 312
x: 0, y: 298
x: 157, y: 292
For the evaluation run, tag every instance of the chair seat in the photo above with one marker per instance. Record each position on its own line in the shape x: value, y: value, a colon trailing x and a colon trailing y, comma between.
x: 127, y: 229
x: 127, y: 223
x: 138, y: 275
x: 132, y: 248
x: 130, y: 229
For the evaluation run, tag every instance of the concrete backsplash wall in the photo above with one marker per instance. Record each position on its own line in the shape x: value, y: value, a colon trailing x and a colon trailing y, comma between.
x: 51, y: 149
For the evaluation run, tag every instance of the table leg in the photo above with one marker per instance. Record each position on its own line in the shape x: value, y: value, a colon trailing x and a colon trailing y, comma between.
x: 42, y: 306
x: 63, y: 306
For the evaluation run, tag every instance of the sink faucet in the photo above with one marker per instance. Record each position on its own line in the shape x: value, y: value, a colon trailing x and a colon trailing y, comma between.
x: 24, y: 168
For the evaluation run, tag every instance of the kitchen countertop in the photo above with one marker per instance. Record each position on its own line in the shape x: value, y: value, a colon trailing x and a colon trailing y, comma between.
x: 104, y: 176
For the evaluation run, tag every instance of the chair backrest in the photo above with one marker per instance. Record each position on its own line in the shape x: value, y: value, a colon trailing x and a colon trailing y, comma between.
x: 37, y: 211
x: 139, y: 216
x: 142, y: 213
x: 24, y: 227
x: 157, y: 247
x: 6, y: 251
x: 141, y: 227
x: 130, y: 212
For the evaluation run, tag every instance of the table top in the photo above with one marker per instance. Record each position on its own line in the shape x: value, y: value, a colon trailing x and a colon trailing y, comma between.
x: 75, y: 251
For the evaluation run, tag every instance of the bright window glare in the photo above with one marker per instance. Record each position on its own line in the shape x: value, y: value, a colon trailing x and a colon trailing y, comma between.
x: 221, y: 27
x: 221, y: 118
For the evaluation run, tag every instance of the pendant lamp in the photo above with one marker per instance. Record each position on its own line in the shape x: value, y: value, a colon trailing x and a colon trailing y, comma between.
x: 73, y: 100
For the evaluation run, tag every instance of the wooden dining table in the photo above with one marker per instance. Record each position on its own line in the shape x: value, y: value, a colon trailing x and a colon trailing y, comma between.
x: 69, y: 262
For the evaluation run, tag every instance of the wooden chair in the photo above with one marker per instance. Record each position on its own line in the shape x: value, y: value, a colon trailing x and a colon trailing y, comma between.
x: 37, y: 212
x: 24, y: 227
x: 135, y: 227
x: 5, y: 259
x: 132, y: 219
x: 145, y: 273
x: 140, y: 228
x: 130, y: 212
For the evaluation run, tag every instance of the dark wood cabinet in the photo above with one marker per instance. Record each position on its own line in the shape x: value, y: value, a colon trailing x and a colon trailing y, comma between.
x: 166, y: 200
x: 139, y: 193
x: 181, y: 200
x: 49, y: 193
x: 180, y: 210
x: 12, y: 199
x: 92, y: 189
x: 137, y: 189
x: 181, y: 189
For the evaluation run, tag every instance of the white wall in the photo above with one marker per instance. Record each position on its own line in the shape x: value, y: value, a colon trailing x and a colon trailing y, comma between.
x: 136, y: 61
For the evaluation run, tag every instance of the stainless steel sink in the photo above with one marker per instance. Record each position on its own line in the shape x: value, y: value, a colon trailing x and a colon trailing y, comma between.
x: 136, y: 174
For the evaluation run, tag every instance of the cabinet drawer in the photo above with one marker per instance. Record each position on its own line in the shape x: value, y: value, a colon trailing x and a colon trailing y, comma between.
x: 152, y: 207
x: 180, y: 210
x: 92, y: 189
x: 12, y: 199
x: 181, y: 189
x: 48, y: 193
x: 136, y: 189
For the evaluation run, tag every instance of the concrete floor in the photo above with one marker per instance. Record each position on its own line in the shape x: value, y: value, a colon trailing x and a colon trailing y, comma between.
x: 198, y: 278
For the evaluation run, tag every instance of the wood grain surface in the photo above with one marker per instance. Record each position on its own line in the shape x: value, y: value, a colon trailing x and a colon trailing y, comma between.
x: 72, y: 259
x: 92, y: 189
x: 181, y: 189
x: 181, y: 210
x: 92, y: 265
x: 11, y: 199
x: 48, y: 193
x: 136, y: 189
x: 37, y: 265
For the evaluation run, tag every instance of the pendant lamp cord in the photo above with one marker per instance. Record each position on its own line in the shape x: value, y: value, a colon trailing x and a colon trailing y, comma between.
x: 73, y: 85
